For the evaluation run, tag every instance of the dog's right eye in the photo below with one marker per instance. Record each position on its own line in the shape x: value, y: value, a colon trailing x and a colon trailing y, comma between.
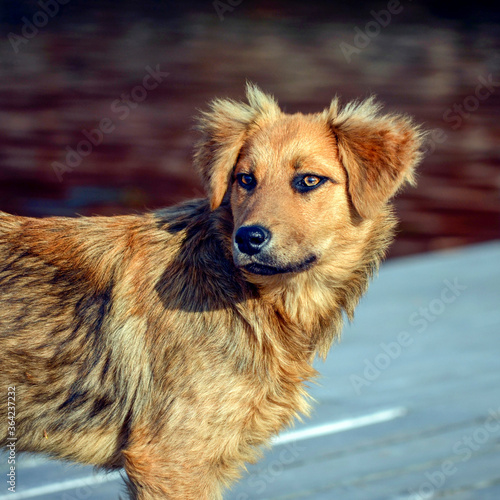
x: 246, y: 181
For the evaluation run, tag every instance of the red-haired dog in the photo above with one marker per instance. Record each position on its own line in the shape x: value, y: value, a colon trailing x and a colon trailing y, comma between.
x: 176, y: 343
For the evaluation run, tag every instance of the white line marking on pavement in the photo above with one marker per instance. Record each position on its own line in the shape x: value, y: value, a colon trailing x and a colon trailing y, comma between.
x: 340, y: 426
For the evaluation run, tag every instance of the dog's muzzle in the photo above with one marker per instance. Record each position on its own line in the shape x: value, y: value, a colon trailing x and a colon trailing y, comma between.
x: 252, y: 245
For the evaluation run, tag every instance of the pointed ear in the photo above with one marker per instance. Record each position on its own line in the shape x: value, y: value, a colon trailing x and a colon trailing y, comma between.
x: 225, y: 128
x: 379, y: 152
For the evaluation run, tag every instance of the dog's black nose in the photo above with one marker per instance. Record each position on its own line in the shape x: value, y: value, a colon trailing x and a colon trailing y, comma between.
x: 251, y: 239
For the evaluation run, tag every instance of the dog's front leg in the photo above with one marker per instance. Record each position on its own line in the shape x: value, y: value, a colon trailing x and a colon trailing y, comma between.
x: 156, y: 472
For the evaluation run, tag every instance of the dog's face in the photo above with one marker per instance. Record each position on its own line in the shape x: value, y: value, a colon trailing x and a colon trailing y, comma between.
x: 288, y: 196
x: 302, y: 188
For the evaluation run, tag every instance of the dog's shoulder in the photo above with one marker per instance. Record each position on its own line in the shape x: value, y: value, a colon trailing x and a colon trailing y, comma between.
x: 179, y: 217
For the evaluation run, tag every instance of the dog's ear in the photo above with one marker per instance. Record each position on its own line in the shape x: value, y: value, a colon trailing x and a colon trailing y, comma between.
x: 225, y: 127
x: 379, y: 152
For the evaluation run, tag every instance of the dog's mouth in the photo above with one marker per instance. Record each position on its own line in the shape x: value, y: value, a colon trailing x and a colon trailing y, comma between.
x: 268, y: 270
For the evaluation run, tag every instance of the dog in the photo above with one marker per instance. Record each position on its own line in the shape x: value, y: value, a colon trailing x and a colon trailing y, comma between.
x: 175, y: 344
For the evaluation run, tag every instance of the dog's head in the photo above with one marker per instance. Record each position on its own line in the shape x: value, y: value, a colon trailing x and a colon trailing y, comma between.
x: 301, y: 187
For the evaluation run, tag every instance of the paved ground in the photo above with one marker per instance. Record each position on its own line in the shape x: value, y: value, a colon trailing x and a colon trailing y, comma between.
x: 412, y: 394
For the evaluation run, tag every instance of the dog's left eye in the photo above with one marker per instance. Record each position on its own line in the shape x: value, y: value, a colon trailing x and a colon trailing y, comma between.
x: 246, y: 181
x: 307, y: 182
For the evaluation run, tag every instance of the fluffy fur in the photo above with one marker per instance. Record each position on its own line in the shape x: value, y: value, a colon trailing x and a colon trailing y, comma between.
x: 145, y: 342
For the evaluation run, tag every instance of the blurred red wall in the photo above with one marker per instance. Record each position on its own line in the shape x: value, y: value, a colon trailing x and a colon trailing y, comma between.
x: 78, y: 79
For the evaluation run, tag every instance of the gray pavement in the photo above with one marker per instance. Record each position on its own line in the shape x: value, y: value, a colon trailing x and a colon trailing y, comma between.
x: 408, y: 405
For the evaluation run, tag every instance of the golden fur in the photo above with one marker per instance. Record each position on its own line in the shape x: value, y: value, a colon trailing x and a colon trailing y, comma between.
x: 147, y: 342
